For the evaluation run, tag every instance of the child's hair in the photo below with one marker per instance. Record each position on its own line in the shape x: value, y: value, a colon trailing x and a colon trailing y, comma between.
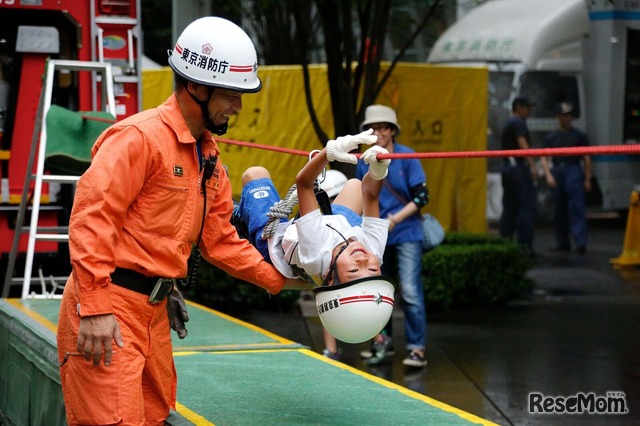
x: 335, y: 278
x: 332, y: 277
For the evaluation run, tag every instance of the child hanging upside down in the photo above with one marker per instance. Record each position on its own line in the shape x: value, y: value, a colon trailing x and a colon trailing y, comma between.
x: 332, y: 249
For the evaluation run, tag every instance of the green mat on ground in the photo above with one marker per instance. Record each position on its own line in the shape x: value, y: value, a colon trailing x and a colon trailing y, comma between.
x: 233, y: 373
x: 48, y: 308
x: 70, y: 137
x: 295, y: 388
x: 212, y: 330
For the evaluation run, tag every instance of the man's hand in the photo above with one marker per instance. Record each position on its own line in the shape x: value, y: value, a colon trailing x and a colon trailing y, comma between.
x: 338, y: 149
x: 551, y: 181
x: 177, y: 311
x: 95, y: 337
x: 378, y: 169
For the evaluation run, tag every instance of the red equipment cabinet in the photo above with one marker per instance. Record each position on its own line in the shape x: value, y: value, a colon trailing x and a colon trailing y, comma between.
x: 86, y: 30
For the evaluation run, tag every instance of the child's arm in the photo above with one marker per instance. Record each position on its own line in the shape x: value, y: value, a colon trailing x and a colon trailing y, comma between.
x: 370, y: 192
x: 336, y: 150
x: 304, y: 182
x: 372, y: 181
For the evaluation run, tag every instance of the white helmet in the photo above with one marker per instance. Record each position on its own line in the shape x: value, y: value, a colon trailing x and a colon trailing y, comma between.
x: 216, y: 52
x: 333, y: 182
x: 355, y: 311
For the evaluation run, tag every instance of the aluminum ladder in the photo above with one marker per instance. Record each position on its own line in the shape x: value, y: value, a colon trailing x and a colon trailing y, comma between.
x: 39, y: 144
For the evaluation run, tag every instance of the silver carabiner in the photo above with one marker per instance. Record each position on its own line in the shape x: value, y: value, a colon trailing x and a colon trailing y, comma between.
x: 323, y: 175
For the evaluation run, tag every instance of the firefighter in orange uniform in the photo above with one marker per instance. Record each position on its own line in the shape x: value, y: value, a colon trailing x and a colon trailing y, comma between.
x: 155, y: 187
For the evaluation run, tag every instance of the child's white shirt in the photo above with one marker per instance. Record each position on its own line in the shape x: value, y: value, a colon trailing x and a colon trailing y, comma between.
x: 308, y: 242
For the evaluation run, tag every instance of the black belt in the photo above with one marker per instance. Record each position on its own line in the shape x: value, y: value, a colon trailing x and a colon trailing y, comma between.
x: 140, y: 283
x: 133, y: 280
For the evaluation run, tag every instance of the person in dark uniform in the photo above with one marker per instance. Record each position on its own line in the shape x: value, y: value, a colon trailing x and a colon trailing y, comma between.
x: 569, y: 178
x: 519, y: 175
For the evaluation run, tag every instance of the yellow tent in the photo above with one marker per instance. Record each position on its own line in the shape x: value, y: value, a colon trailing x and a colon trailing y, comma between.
x: 439, y: 109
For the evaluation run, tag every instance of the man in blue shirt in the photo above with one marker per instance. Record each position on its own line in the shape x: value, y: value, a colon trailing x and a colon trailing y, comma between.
x: 519, y: 175
x: 404, y: 192
x: 569, y: 181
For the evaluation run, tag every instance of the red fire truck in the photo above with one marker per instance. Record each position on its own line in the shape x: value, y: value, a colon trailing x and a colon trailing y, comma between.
x: 31, y: 33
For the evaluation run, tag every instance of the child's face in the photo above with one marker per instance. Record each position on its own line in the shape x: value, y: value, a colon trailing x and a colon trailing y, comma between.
x: 356, y: 262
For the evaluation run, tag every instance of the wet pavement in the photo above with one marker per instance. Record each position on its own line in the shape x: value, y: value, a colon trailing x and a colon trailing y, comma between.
x: 577, y: 332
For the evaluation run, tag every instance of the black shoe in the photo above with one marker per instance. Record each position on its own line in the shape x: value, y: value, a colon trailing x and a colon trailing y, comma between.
x: 414, y: 359
x: 564, y: 249
x: 238, y: 223
x: 582, y: 249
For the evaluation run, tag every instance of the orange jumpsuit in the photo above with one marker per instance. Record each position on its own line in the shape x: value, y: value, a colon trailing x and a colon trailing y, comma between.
x: 139, y: 207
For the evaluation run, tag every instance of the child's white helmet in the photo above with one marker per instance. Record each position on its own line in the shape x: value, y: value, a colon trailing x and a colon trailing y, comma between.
x: 216, y: 52
x: 355, y: 311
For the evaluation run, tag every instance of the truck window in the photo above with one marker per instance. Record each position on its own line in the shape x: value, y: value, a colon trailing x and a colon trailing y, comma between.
x: 500, y: 84
x: 548, y: 88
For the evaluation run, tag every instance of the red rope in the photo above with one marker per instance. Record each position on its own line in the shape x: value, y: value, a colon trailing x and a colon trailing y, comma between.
x: 260, y: 146
x: 101, y: 119
x: 534, y: 152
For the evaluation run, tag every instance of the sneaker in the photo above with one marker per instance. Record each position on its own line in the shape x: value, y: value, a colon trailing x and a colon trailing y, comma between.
x: 369, y: 353
x: 331, y: 355
x: 414, y: 359
x: 380, y: 351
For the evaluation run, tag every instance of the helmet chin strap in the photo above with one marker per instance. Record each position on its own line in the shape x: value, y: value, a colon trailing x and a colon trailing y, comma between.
x: 209, y: 124
x: 206, y: 116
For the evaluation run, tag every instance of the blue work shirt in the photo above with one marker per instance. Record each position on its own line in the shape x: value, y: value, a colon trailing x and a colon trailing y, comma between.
x: 566, y: 139
x: 512, y: 131
x: 403, y: 175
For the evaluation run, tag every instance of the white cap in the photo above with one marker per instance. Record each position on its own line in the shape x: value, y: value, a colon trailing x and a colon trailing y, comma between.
x: 564, y: 108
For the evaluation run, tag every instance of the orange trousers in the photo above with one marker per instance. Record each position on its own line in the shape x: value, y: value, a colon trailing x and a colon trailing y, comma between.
x: 139, y: 387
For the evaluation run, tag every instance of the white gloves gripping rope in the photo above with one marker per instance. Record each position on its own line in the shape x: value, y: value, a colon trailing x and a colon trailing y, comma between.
x: 338, y: 149
x: 378, y: 169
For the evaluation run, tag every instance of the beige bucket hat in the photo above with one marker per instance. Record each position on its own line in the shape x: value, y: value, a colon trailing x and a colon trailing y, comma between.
x: 379, y: 114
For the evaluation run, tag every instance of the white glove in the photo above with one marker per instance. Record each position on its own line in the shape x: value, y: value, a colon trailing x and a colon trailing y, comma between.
x: 338, y: 149
x: 378, y: 169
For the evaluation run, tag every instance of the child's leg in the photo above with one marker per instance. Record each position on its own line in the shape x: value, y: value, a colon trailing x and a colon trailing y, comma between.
x: 351, y: 196
x: 258, y: 195
x: 330, y: 344
x: 254, y: 173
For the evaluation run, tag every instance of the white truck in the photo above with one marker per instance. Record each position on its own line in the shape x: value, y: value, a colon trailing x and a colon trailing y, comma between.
x: 583, y: 51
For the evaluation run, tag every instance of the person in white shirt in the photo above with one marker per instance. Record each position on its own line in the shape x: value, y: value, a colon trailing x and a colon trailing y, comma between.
x: 330, y: 249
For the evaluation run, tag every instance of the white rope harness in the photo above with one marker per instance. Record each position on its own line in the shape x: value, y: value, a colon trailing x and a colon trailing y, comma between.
x: 280, y: 210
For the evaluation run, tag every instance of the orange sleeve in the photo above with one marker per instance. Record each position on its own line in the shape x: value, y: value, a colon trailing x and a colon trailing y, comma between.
x: 222, y: 247
x: 103, y: 194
